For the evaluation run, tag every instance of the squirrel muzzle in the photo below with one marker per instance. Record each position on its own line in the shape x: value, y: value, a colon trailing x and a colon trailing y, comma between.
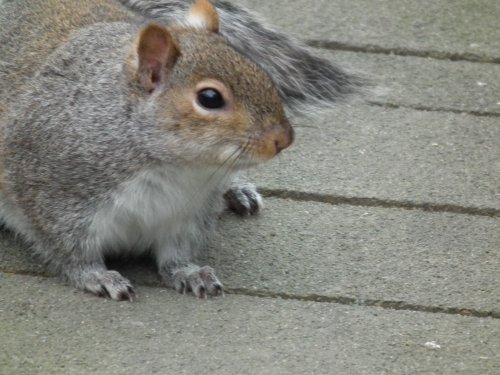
x: 274, y: 140
x: 282, y: 137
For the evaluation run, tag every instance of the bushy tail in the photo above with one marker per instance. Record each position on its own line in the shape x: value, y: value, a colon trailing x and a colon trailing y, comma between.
x: 306, y: 82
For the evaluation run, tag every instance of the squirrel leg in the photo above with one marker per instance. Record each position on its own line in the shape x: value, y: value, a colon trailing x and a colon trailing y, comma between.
x: 95, y: 278
x: 100, y: 281
x: 188, y: 277
x: 243, y: 199
x: 105, y: 283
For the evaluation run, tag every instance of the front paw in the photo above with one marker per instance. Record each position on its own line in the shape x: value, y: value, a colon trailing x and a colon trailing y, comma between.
x: 244, y: 199
x: 108, y: 284
x: 199, y: 280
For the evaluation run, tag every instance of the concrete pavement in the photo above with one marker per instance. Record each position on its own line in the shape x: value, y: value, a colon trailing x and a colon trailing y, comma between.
x: 378, y: 251
x: 48, y: 328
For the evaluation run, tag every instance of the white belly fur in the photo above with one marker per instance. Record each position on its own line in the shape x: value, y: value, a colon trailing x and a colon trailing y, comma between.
x: 168, y: 211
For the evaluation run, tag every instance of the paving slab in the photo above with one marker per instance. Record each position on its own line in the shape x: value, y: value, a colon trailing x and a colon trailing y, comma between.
x: 443, y: 260
x: 392, y: 257
x: 392, y: 154
x: 49, y: 329
x: 425, y: 82
x: 442, y: 28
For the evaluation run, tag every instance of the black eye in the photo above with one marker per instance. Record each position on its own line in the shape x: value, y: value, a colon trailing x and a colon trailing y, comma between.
x: 211, y: 99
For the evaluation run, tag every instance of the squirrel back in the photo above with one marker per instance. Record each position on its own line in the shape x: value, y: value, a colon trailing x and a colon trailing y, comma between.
x: 32, y: 29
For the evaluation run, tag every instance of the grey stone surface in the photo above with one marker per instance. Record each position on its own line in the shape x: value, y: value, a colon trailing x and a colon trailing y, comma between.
x: 48, y: 329
x: 425, y: 82
x: 433, y: 260
x: 354, y: 257
x: 402, y: 154
x: 15, y: 255
x: 446, y: 26
x: 427, y: 259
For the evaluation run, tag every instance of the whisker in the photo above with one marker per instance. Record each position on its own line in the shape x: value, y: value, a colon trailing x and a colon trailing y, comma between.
x: 242, y: 150
x: 226, y: 166
x: 223, y: 164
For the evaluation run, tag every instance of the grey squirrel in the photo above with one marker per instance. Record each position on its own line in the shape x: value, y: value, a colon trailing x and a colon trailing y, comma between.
x: 123, y: 125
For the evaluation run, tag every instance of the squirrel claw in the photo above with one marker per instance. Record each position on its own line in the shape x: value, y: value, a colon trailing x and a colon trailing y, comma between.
x: 201, y: 281
x: 244, y: 199
x: 110, y: 284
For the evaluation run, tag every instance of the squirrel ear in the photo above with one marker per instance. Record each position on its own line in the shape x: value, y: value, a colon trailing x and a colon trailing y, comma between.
x: 203, y: 16
x: 157, y: 53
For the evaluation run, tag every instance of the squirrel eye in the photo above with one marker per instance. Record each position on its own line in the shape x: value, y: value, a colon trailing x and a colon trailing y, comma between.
x: 211, y: 99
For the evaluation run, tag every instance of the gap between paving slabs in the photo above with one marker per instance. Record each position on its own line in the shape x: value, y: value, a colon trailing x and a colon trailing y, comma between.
x: 342, y: 300
x: 423, y: 84
x: 454, y: 30
x: 302, y: 196
x: 376, y: 49
x: 389, y: 105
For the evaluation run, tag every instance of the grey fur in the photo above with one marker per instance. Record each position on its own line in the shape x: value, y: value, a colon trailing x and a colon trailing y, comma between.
x: 89, y: 164
x: 307, y: 83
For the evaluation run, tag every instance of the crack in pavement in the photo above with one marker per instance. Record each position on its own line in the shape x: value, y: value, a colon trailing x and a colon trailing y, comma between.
x: 401, y: 51
x: 342, y: 300
x: 390, y: 305
x: 433, y: 109
x: 376, y: 202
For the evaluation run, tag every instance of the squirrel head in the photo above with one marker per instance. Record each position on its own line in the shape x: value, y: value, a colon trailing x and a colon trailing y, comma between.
x: 222, y: 108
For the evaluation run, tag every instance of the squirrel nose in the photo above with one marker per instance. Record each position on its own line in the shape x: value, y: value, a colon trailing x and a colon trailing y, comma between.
x: 283, y: 137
